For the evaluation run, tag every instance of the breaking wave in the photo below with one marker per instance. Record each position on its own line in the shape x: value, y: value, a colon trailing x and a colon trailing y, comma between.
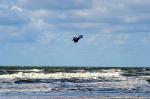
x: 61, y: 75
x: 97, y: 81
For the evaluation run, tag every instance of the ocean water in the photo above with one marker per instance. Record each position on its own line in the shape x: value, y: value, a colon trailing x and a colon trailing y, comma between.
x: 74, y: 81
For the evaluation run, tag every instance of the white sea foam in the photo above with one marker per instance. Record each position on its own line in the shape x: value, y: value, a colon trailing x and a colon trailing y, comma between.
x: 130, y: 83
x: 125, y: 83
x: 30, y: 70
x: 27, y: 88
x: 59, y: 75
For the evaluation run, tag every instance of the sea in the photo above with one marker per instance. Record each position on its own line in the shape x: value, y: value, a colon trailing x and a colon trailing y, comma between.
x: 74, y: 81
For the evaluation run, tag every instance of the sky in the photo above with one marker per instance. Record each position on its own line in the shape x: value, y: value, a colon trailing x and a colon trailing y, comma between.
x: 39, y: 32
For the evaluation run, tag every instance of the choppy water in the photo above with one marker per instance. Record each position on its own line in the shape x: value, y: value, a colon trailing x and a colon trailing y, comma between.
x: 75, y: 81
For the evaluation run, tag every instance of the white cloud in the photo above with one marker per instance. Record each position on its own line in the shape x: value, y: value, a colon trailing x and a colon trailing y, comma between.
x: 99, y: 17
x: 16, y: 8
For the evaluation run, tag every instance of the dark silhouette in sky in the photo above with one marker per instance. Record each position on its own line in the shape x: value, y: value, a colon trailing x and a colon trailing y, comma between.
x: 77, y: 38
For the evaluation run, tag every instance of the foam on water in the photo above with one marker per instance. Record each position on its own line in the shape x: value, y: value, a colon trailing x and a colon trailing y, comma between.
x: 32, y: 70
x: 99, y: 81
x: 60, y: 75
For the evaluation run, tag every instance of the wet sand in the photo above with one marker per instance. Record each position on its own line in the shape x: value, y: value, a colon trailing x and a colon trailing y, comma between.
x: 70, y: 97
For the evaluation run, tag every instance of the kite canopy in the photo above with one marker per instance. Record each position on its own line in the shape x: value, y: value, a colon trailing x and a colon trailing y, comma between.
x: 77, y: 38
x: 81, y: 36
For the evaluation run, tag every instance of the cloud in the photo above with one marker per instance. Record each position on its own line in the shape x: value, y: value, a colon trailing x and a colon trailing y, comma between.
x: 47, y: 27
x: 52, y: 4
x: 16, y: 8
x: 9, y: 16
x: 31, y: 19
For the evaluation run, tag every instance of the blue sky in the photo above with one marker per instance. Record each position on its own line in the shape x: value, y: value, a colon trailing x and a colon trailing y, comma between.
x: 39, y: 32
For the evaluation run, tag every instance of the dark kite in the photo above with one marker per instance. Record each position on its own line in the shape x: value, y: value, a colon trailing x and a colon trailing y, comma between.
x: 77, y: 38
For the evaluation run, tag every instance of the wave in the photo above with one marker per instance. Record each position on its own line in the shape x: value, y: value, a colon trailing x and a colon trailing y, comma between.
x: 104, y: 80
x: 113, y: 74
x: 64, y: 85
